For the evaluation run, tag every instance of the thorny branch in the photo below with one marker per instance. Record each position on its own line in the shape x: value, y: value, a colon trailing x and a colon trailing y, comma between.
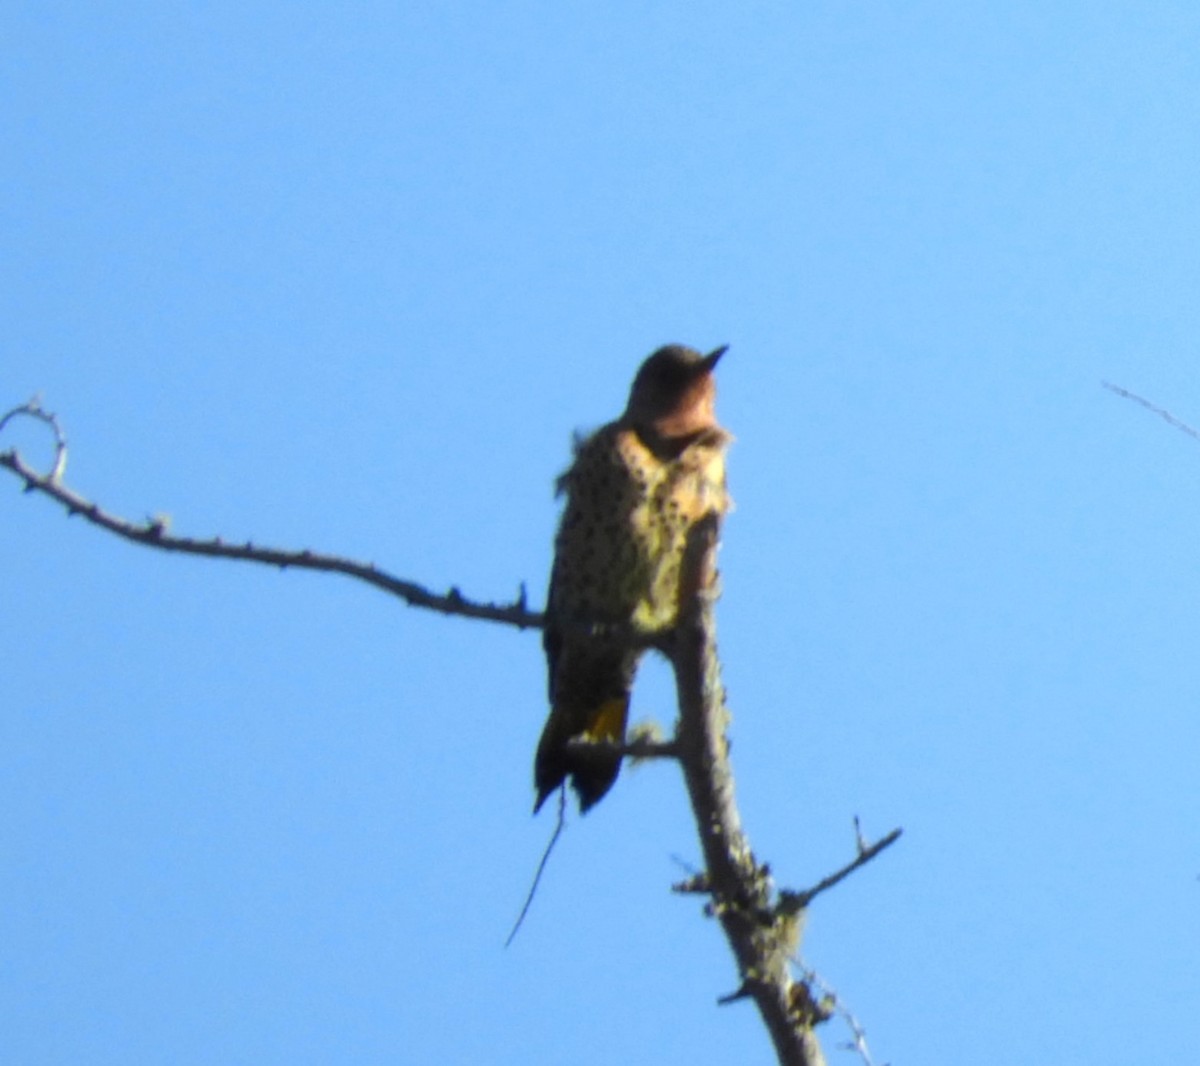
x: 153, y: 533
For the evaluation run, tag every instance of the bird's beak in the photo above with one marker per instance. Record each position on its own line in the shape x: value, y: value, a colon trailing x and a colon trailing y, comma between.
x: 709, y: 362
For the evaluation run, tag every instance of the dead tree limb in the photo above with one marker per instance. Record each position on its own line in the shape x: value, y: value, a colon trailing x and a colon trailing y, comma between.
x: 153, y: 533
x: 739, y: 886
x: 763, y: 926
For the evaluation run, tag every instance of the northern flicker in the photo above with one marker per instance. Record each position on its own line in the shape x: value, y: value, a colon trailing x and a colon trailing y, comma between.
x: 635, y: 488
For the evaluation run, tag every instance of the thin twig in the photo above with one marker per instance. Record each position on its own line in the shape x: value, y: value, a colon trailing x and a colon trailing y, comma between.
x: 859, y: 1034
x: 34, y: 409
x: 559, y: 825
x: 1165, y: 415
x: 792, y: 902
x: 635, y: 748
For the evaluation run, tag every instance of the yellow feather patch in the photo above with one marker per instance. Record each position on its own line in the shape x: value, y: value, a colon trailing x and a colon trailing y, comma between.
x: 608, y: 721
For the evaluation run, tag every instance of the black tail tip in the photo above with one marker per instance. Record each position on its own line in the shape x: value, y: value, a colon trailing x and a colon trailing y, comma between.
x: 545, y: 792
x: 589, y: 790
x: 592, y: 787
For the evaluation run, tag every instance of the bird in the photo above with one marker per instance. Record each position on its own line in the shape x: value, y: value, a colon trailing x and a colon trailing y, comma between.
x: 634, y: 489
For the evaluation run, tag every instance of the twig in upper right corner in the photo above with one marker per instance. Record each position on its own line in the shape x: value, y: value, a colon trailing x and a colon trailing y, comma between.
x: 1162, y: 413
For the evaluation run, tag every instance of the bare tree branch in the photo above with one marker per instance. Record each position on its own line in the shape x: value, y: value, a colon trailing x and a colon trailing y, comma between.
x: 636, y: 748
x: 152, y: 533
x: 763, y: 939
x: 764, y: 929
x: 797, y: 901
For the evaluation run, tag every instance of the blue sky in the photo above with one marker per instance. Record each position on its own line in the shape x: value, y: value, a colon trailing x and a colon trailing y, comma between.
x: 347, y: 277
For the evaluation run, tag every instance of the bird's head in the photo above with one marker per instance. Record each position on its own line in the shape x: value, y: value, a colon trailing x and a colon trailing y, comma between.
x: 674, y: 392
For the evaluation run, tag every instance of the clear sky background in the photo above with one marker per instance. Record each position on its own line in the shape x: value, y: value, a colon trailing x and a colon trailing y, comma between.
x: 347, y: 276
